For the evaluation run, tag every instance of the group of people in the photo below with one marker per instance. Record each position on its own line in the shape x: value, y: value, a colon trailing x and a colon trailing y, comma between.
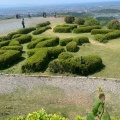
x: 45, y: 14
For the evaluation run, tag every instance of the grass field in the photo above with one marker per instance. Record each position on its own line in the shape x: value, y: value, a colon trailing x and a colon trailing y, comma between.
x: 109, y: 52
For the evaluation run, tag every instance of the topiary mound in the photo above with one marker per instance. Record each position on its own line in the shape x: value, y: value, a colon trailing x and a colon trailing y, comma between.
x: 71, y: 47
x: 69, y: 19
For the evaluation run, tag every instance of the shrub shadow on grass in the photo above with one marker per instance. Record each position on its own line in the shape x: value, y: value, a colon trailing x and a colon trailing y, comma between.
x: 14, y: 63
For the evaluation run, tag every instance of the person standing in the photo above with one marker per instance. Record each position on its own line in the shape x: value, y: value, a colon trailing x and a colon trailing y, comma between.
x: 54, y: 14
x: 23, y: 23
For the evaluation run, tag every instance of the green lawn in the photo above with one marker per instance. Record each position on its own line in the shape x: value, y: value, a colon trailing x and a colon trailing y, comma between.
x: 109, y: 52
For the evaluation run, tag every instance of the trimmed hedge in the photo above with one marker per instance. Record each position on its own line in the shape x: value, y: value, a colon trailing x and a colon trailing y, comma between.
x: 24, y: 39
x: 43, y: 24
x: 10, y: 35
x: 72, y: 26
x: 16, y: 36
x: 41, y: 30
x: 32, y: 44
x: 88, y: 65
x: 106, y: 37
x: 4, y: 43
x: 80, y: 21
x: 80, y: 40
x: 48, y: 43
x: 3, y: 38
x: 65, y: 55
x: 71, y: 47
x: 65, y: 41
x: 62, y: 30
x: 53, y: 52
x: 26, y: 30
x: 100, y: 31
x: 8, y: 58
x: 36, y: 62
x: 14, y: 42
x: 85, y: 29
x: 19, y: 48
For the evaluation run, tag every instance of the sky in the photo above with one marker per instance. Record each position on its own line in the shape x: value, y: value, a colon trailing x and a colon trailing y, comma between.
x: 45, y: 2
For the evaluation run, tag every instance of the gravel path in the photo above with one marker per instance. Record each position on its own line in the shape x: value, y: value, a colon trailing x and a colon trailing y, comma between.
x: 9, y: 25
x: 69, y: 84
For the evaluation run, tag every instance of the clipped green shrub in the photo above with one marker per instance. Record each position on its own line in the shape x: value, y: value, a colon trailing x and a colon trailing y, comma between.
x: 43, y: 24
x: 69, y: 19
x: 100, y: 38
x: 85, y: 29
x: 71, y: 47
x: 48, y: 43
x: 65, y: 55
x: 80, y: 40
x: 62, y: 30
x: 16, y: 36
x: 3, y: 38
x: 100, y: 31
x: 10, y: 35
x: 40, y: 30
x: 26, y: 30
x: 88, y: 65
x: 14, y: 42
x: 24, y: 39
x: 32, y: 44
x: 65, y: 41
x: 36, y: 62
x: 8, y: 58
x: 92, y: 22
x: 113, y: 25
x: 72, y: 26
x: 4, y: 43
x: 80, y: 21
x: 19, y: 48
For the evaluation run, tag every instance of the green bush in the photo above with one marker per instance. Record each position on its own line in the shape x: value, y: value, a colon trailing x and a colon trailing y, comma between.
x: 43, y: 24
x: 71, y: 47
x: 85, y: 29
x: 114, y: 25
x: 62, y: 30
x: 3, y: 38
x: 80, y: 21
x: 40, y: 30
x: 65, y: 55
x: 26, y: 30
x: 36, y: 62
x: 69, y: 19
x: 16, y: 36
x: 92, y: 22
x: 48, y: 43
x: 80, y: 40
x: 32, y: 44
x: 14, y: 42
x: 19, y: 48
x: 100, y: 31
x: 65, y: 41
x: 72, y: 26
x: 108, y: 36
x: 10, y: 35
x: 88, y: 65
x: 4, y: 43
x: 100, y: 38
x: 24, y: 39
x: 8, y: 58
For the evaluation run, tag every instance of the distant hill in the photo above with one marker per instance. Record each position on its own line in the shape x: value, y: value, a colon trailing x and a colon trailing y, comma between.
x: 108, y: 11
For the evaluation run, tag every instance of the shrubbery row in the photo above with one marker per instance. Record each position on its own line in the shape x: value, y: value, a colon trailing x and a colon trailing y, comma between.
x: 39, y: 58
x: 41, y: 30
x: 71, y: 47
x: 43, y: 24
x: 8, y: 57
x: 85, y: 29
x: 4, y: 43
x: 19, y: 48
x: 79, y: 40
x: 100, y: 31
x: 88, y: 64
x: 62, y: 30
x: 106, y: 37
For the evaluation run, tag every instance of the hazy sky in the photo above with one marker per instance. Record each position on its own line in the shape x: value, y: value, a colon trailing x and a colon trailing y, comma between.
x: 41, y: 2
